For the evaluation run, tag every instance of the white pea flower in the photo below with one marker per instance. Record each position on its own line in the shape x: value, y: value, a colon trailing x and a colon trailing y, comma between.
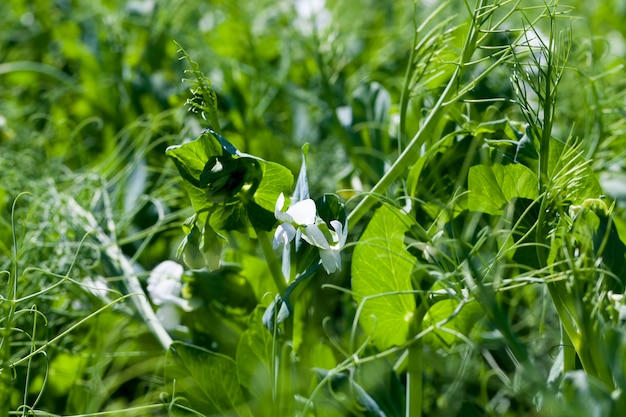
x: 302, y: 217
x: 329, y: 248
x: 299, y: 214
x: 165, y: 287
x: 169, y: 316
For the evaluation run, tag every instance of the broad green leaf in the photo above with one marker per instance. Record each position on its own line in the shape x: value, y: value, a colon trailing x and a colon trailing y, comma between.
x: 257, y: 355
x: 276, y: 179
x: 381, y: 267
x: 64, y: 373
x: 330, y: 208
x: 226, y: 285
x: 448, y: 321
x: 254, y: 359
x: 498, y: 131
x: 191, y: 157
x: 237, y: 190
x: 321, y: 356
x: 207, y: 380
x: 491, y: 187
x: 228, y: 217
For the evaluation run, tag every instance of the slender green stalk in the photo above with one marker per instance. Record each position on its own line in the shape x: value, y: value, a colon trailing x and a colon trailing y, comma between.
x: 405, y: 93
x: 413, y: 150
x: 117, y: 257
x: 415, y: 366
x: 8, y: 314
x: 63, y: 334
x: 272, y: 261
x: 548, y: 97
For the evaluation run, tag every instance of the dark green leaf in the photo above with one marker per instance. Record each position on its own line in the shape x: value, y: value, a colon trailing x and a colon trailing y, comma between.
x: 254, y: 359
x: 207, y: 380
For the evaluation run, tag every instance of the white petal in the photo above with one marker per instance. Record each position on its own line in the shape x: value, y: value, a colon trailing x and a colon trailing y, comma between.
x: 164, y: 290
x: 303, y: 212
x: 314, y: 236
x: 280, y: 203
x: 342, y: 233
x: 284, y: 234
x: 169, y: 316
x: 286, y: 266
x: 166, y: 270
x: 331, y: 260
x: 278, y: 210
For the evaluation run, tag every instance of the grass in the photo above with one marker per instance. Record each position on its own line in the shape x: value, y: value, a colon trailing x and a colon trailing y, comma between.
x: 476, y: 152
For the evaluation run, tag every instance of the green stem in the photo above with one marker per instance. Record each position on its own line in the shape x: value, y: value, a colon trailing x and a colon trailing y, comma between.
x: 415, y: 366
x: 569, y: 352
x: 8, y: 313
x: 405, y: 93
x: 113, y: 253
x: 413, y: 150
x: 544, y: 147
x: 272, y: 261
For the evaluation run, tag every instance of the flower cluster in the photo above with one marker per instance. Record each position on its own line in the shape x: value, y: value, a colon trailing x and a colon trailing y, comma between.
x: 301, y: 218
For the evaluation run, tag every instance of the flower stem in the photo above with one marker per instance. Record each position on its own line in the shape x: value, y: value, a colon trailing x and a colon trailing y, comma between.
x: 272, y: 261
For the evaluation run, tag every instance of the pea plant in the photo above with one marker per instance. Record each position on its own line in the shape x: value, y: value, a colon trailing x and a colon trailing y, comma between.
x: 417, y: 296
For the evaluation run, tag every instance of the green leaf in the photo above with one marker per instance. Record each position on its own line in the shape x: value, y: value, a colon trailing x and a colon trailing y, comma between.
x: 225, y: 285
x: 276, y: 179
x: 381, y: 267
x: 255, y: 271
x: 191, y: 157
x: 384, y: 385
x: 448, y: 321
x: 254, y: 359
x: 330, y: 208
x: 208, y: 380
x: 238, y: 190
x: 491, y: 187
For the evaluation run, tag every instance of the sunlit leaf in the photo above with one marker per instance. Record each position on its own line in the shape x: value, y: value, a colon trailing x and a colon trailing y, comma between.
x: 236, y: 189
x: 276, y: 179
x: 450, y: 319
x: 191, y: 157
x: 491, y: 187
x: 381, y: 267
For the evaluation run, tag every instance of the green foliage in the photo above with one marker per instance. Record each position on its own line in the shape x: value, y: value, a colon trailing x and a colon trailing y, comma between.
x: 471, y: 262
x: 492, y: 187
x: 207, y: 380
x: 381, y: 278
x: 227, y: 185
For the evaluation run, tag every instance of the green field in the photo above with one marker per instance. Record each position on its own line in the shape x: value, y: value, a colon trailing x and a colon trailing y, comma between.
x: 312, y: 208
